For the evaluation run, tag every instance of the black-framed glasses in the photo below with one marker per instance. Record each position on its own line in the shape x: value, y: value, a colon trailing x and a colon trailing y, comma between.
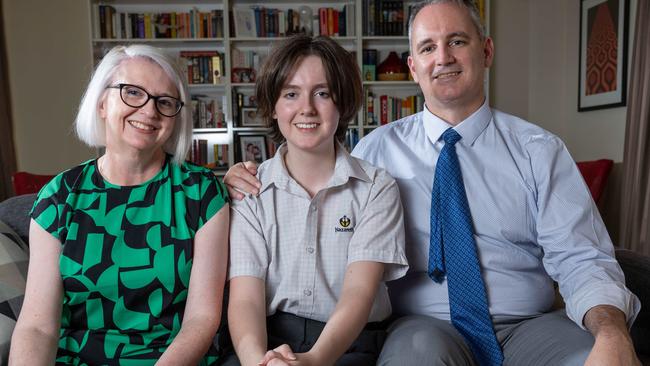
x: 136, y: 97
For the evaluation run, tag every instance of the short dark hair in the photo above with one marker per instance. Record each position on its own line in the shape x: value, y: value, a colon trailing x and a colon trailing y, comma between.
x: 341, y: 70
x: 470, y: 5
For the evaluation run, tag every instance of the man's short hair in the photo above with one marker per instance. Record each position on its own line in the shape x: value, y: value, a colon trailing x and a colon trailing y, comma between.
x: 470, y: 5
x: 91, y: 128
x: 341, y: 70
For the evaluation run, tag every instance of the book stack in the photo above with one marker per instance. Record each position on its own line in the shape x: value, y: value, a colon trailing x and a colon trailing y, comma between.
x: 259, y: 21
x: 220, y: 153
x: 351, y: 139
x: 383, y: 109
x: 199, y: 152
x: 336, y: 23
x: 207, y: 112
x: 369, y: 57
x: 384, y: 18
x: 203, y: 67
x: 110, y: 24
x: 245, y: 59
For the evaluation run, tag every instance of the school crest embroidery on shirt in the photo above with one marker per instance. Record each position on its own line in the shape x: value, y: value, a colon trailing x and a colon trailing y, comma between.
x: 344, y: 225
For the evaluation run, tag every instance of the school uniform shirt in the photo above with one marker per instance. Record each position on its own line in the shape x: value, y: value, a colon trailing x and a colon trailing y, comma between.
x: 534, y: 218
x: 301, y: 246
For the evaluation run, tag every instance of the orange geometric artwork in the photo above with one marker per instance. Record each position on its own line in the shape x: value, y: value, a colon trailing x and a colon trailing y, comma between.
x: 602, y: 48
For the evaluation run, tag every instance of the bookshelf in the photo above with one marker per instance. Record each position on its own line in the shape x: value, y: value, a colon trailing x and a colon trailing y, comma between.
x: 198, y: 31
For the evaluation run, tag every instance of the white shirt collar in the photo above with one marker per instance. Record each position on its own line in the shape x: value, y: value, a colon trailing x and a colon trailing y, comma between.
x: 469, y: 128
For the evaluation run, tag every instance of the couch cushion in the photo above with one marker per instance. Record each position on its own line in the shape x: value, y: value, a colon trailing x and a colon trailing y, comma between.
x: 14, y: 212
x: 13, y: 274
x: 637, y: 278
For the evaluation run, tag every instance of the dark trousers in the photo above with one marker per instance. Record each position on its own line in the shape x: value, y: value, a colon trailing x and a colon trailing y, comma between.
x: 301, y: 334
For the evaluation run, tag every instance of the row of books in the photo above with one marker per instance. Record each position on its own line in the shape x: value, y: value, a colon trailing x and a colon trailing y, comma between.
x: 383, y: 109
x: 203, y: 67
x: 109, y: 23
x: 336, y: 23
x: 207, y: 112
x: 351, y: 138
x: 199, y: 154
x: 384, y: 18
x: 245, y: 59
x: 258, y: 21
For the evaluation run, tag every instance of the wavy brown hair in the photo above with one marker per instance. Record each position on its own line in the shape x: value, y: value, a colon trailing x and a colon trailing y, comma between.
x: 341, y: 71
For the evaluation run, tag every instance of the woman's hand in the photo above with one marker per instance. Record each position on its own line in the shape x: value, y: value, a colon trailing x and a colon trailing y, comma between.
x: 240, y: 180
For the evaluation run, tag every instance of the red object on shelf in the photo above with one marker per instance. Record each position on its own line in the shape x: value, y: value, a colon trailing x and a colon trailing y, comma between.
x: 392, y: 68
x: 595, y: 174
x: 25, y: 183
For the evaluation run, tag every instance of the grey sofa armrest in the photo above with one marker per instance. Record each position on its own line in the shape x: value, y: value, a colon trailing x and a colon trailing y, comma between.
x: 637, y: 278
x: 14, y: 212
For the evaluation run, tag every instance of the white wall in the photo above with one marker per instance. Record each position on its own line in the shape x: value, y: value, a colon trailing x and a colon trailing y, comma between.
x: 49, y: 59
x: 509, y: 82
x: 535, y: 75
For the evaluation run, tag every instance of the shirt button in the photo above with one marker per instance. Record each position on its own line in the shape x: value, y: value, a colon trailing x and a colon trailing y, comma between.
x: 310, y: 250
x: 307, y: 292
x: 314, y: 208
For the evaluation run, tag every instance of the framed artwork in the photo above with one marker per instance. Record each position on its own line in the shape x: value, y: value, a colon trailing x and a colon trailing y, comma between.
x: 603, y: 54
x: 244, y: 22
x: 249, y: 117
x: 253, y: 148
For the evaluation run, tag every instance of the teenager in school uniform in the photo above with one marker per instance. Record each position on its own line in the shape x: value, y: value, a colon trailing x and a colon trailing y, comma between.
x: 311, y: 252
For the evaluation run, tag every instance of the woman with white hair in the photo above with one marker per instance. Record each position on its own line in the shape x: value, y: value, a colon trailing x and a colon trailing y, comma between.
x: 128, y: 251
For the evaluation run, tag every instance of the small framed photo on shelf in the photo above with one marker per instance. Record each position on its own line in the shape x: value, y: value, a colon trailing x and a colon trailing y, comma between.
x: 244, y: 22
x: 603, y: 54
x: 243, y: 75
x: 253, y: 148
x: 249, y: 117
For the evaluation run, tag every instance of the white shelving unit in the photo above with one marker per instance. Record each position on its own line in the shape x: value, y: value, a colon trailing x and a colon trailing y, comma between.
x: 227, y: 89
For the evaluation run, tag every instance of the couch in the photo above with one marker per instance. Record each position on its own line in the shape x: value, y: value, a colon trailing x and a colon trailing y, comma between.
x: 14, y: 212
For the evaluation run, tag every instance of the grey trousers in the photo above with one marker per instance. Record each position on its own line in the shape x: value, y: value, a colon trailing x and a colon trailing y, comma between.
x: 549, y: 339
x: 301, y: 334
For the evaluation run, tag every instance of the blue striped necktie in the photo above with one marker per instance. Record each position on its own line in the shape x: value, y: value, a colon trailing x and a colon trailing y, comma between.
x: 452, y: 252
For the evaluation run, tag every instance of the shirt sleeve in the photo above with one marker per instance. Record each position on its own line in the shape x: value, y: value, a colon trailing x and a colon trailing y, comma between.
x: 49, y: 207
x: 379, y: 233
x: 578, y: 252
x: 248, y: 250
x: 213, y: 197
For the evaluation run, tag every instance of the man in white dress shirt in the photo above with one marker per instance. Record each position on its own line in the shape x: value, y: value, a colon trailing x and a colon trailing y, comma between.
x: 533, y: 217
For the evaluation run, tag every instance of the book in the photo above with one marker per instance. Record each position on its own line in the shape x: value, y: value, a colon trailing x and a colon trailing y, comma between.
x: 220, y: 155
x: 217, y: 69
x: 349, y: 19
x: 245, y: 22
x: 383, y: 100
x: 322, y: 15
x: 203, y: 151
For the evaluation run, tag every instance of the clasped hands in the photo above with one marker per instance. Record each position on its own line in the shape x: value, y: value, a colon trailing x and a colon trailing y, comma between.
x: 284, y: 356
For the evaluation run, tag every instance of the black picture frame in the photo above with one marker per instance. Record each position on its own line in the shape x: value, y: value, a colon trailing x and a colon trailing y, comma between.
x: 602, y: 75
x: 250, y: 118
x: 252, y: 148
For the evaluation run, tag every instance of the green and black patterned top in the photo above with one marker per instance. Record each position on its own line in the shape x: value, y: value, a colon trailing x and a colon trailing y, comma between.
x: 126, y: 259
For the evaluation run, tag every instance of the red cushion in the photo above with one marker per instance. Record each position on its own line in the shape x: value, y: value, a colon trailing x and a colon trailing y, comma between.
x: 25, y: 183
x: 595, y: 174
